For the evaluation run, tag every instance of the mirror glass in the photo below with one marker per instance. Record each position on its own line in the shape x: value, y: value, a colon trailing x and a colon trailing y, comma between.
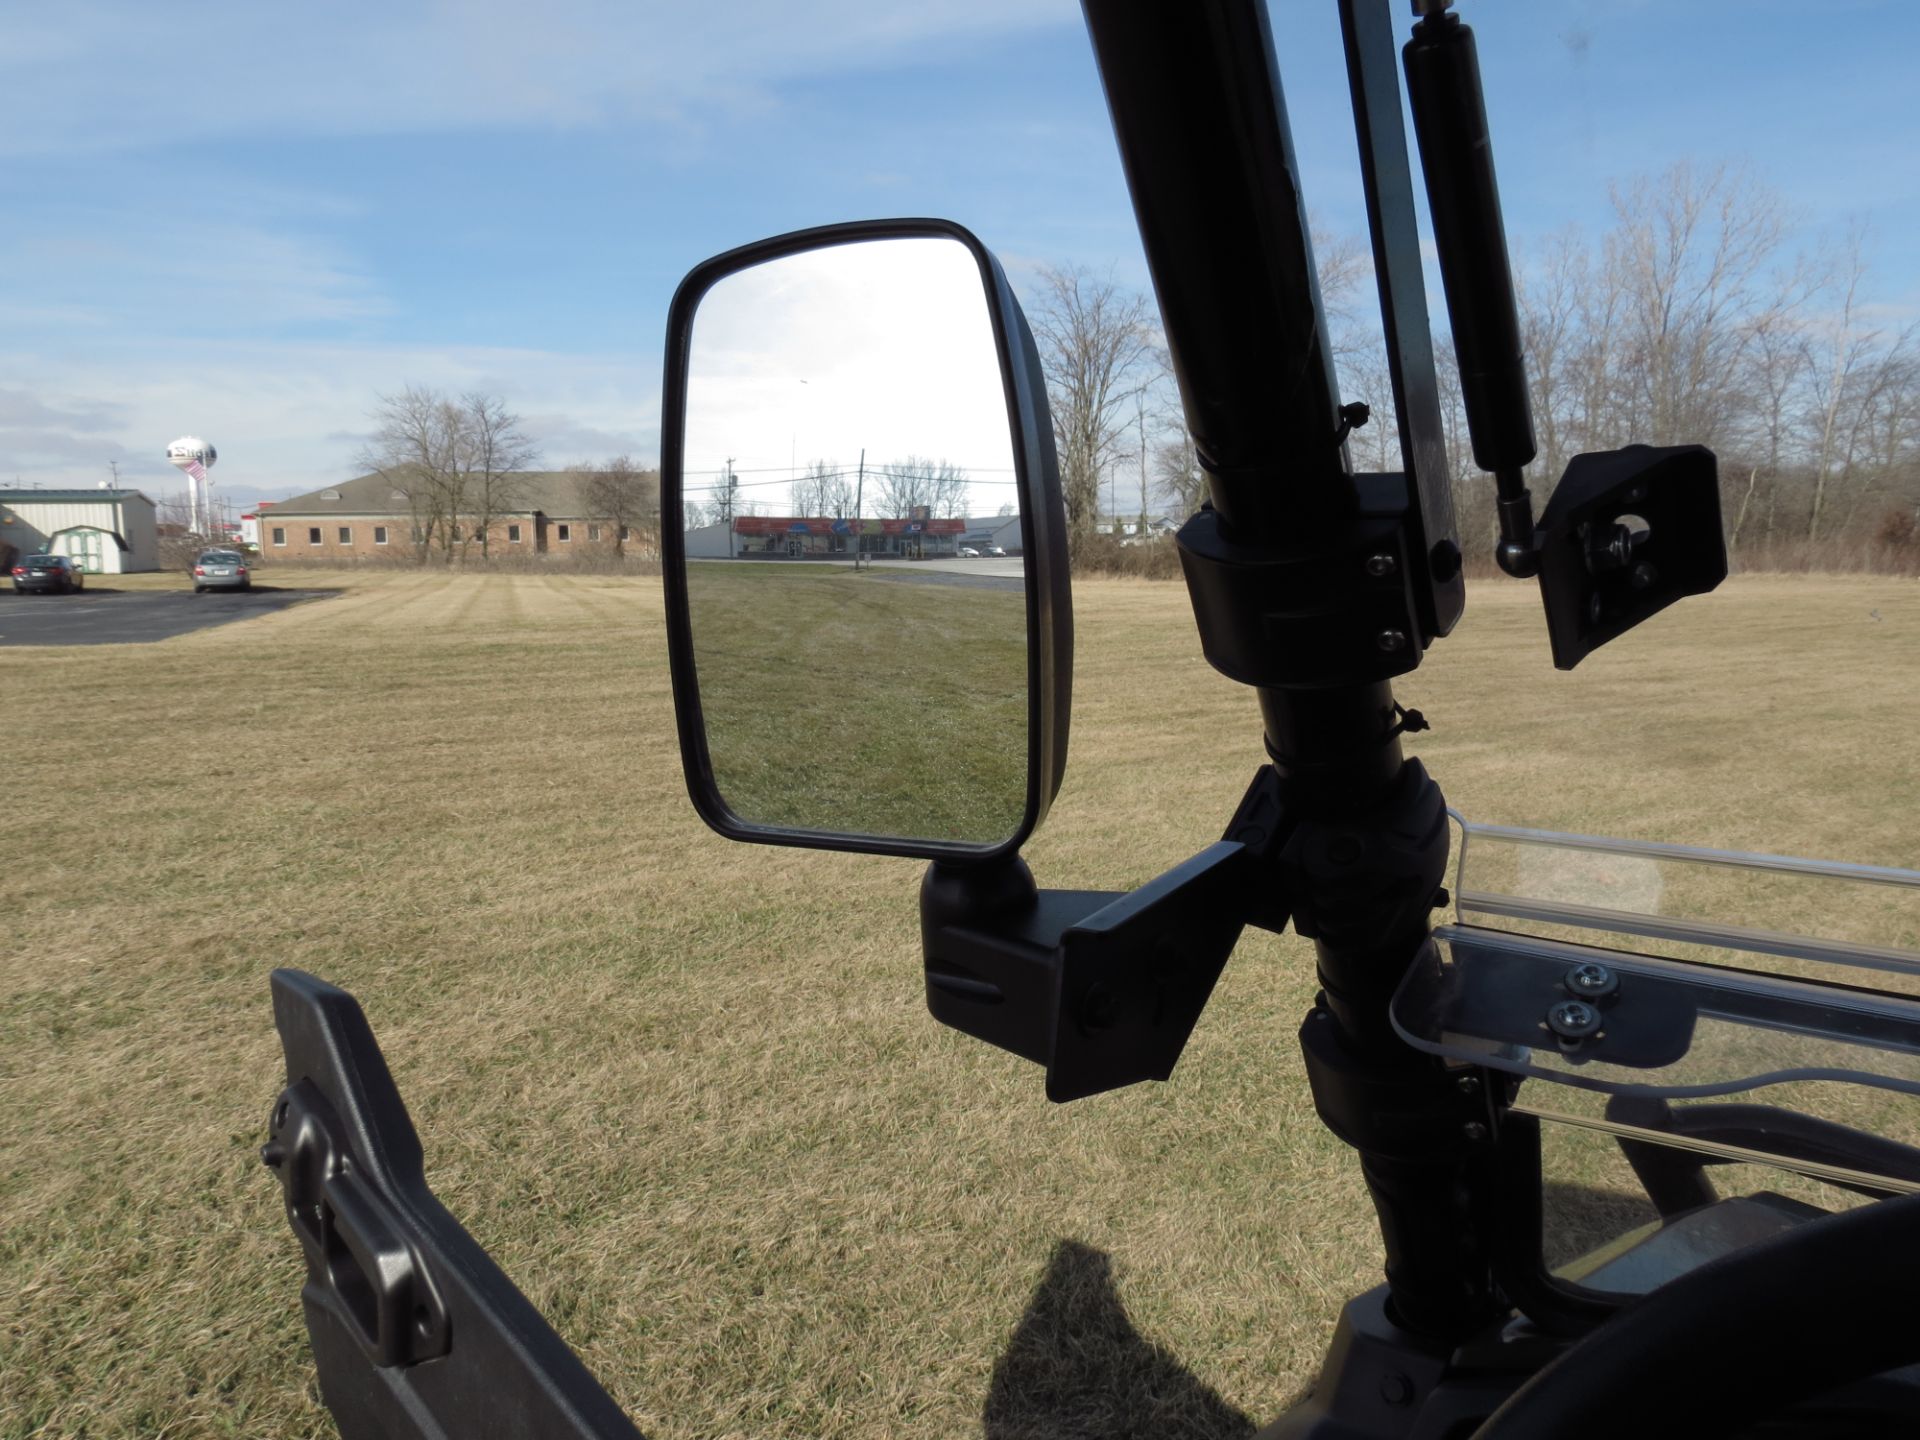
x: 855, y: 582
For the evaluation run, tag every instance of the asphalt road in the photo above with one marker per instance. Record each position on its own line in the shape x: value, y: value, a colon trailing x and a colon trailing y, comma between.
x: 928, y: 575
x: 1010, y: 567
x: 134, y: 617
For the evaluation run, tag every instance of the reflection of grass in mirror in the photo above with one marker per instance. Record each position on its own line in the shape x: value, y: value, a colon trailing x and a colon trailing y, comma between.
x: 848, y: 701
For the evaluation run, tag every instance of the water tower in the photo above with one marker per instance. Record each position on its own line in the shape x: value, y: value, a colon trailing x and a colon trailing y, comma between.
x: 195, y: 457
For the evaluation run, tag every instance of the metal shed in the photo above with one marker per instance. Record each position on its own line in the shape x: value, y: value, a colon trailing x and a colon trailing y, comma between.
x: 106, y: 532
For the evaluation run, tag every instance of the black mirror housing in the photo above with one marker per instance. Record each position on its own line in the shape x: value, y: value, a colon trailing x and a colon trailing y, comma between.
x: 1042, y: 528
x: 1627, y: 533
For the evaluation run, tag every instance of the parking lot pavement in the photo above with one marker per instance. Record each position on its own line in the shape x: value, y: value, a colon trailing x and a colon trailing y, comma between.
x: 134, y: 617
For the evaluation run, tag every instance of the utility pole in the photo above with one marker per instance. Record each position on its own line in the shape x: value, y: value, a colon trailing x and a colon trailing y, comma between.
x: 1140, y: 413
x: 859, y: 491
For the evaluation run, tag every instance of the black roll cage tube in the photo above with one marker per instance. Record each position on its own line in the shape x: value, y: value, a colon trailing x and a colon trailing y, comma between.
x: 1200, y: 116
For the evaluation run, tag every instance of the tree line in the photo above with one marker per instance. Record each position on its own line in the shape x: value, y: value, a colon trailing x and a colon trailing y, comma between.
x: 465, y: 462
x: 828, y: 489
x: 1690, y: 319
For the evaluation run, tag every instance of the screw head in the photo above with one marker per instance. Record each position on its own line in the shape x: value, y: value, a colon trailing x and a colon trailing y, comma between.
x: 1643, y: 575
x: 1391, y: 640
x: 1475, y: 1131
x: 1396, y: 1389
x: 1573, y: 1020
x: 1382, y: 565
x: 1591, y: 981
x: 1099, y: 1008
x: 1345, y: 849
x: 1468, y: 1085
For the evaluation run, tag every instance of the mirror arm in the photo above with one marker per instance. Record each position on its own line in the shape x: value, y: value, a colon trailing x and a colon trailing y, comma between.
x: 1102, y: 988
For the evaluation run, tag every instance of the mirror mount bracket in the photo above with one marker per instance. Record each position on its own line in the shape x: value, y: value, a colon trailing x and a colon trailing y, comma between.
x: 1102, y: 988
x: 1315, y: 615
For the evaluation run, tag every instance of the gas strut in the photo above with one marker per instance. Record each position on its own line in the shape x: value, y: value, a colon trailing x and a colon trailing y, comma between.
x: 1456, y: 153
x: 1627, y: 532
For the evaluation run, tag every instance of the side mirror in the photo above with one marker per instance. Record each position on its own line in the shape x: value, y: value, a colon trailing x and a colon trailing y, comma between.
x: 845, y: 409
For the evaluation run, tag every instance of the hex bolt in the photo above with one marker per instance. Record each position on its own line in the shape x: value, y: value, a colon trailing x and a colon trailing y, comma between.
x: 1475, y: 1131
x: 1468, y: 1084
x: 1573, y: 1020
x: 1391, y: 640
x: 1591, y: 981
x: 1643, y: 575
x: 1345, y: 849
x: 1382, y: 565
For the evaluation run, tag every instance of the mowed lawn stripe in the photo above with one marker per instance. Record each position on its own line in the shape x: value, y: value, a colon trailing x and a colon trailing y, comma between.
x: 686, y: 1091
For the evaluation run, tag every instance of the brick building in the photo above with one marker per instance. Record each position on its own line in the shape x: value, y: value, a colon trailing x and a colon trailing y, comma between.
x: 374, y: 516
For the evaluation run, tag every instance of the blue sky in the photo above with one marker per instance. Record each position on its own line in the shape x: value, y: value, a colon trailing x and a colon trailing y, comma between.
x: 245, y: 221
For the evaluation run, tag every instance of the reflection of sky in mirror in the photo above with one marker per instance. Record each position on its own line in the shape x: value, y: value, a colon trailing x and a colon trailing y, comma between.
x: 883, y: 346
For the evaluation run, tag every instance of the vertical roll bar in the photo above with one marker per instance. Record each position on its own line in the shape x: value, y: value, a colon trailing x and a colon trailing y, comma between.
x: 1198, y: 111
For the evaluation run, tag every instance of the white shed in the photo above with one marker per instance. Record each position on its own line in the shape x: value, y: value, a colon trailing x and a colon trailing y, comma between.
x: 107, y: 532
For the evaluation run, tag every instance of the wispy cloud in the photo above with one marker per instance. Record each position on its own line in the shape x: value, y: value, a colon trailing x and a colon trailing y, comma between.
x: 112, y: 76
x: 115, y: 266
x: 286, y: 415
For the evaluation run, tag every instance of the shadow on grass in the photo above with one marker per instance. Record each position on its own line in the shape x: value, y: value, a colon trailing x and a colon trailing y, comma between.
x: 1581, y: 1218
x: 1076, y: 1367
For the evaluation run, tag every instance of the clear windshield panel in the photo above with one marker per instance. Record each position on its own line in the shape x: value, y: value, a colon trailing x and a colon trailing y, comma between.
x: 1808, y: 919
x: 1647, y: 1025
x: 1774, y: 1001
x: 1836, y: 1139
x: 1815, y: 1080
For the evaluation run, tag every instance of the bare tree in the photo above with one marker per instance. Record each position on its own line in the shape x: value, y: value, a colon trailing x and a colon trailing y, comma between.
x: 622, y: 493
x: 915, y: 480
x: 823, y: 490
x: 1691, y: 254
x: 456, y: 462
x: 497, y: 452
x: 1177, y: 470
x: 1094, y: 340
x: 415, y: 446
x: 1550, y: 295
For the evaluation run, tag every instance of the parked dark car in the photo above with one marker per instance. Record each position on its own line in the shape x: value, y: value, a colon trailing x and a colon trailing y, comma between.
x: 48, y: 573
x: 221, y: 570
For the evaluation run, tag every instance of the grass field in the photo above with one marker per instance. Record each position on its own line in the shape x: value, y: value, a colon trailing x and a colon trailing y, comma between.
x: 686, y: 1091
x: 862, y: 700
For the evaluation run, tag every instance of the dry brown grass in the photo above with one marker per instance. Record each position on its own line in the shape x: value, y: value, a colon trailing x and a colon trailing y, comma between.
x: 686, y: 1092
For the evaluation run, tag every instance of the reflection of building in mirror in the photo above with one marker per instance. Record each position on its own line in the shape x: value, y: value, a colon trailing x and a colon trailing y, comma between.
x: 856, y: 380
x: 820, y: 537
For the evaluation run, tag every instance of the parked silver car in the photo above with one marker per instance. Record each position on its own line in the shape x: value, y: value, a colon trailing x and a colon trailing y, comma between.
x: 221, y: 570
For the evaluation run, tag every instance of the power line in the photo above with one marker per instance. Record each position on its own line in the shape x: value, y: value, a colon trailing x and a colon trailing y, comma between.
x: 871, y: 470
x: 834, y: 475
